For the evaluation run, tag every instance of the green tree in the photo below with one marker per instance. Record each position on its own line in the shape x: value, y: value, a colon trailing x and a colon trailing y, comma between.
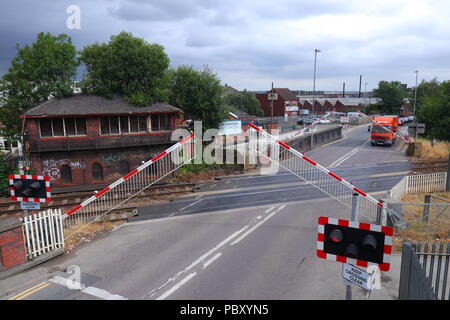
x: 5, y: 171
x: 426, y: 89
x: 44, y: 70
x: 128, y: 66
x: 435, y: 113
x: 392, y: 96
x: 246, y: 102
x: 199, y: 95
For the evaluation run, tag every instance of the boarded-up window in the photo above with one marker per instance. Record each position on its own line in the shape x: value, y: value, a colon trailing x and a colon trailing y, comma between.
x: 66, y: 174
x: 97, y: 172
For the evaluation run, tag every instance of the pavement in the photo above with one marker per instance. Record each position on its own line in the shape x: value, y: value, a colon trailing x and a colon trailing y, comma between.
x: 243, y: 237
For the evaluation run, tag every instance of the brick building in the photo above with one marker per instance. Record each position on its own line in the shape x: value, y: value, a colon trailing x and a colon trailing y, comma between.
x: 286, y: 104
x: 89, y: 139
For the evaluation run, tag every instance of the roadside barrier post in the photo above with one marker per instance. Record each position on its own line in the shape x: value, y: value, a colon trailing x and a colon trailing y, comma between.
x: 355, y: 203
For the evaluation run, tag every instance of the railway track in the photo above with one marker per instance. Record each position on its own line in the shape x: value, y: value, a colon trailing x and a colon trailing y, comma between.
x: 430, y: 166
x: 67, y: 201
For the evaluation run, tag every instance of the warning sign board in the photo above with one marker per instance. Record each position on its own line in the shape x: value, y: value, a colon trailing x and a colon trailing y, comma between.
x: 357, y: 276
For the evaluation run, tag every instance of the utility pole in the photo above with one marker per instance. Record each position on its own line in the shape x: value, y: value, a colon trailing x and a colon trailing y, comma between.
x: 314, y: 93
x: 415, y: 99
x: 359, y: 93
x: 271, y: 106
x: 365, y: 96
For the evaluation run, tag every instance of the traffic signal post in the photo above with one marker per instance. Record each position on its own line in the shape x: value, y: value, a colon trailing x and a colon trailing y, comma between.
x: 30, y: 190
x: 355, y: 202
x: 355, y: 244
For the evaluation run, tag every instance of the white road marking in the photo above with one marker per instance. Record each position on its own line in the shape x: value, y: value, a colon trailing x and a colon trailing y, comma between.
x: 197, y: 261
x: 198, y: 197
x: 96, y: 292
x: 214, y: 258
x: 348, y: 155
x: 258, y: 217
x: 270, y: 209
x: 228, y: 181
x: 190, y: 205
x: 176, y: 287
x: 257, y: 225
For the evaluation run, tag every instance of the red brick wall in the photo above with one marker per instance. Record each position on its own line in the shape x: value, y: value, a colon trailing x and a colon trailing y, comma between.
x: 12, y: 247
x: 81, y: 162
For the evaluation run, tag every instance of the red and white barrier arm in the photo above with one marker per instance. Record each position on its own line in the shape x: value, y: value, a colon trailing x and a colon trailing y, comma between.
x: 128, y: 175
x: 404, y: 138
x: 320, y: 167
x: 314, y: 123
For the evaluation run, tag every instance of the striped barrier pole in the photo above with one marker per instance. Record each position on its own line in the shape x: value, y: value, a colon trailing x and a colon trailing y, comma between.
x: 127, y: 176
x: 320, y: 167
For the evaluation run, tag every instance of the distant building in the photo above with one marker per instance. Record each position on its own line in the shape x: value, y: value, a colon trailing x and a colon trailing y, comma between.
x: 285, y: 105
x: 89, y: 139
x: 227, y: 90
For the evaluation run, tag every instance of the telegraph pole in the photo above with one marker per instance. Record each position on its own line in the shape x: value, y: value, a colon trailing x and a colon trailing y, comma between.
x: 415, y: 99
x: 314, y: 93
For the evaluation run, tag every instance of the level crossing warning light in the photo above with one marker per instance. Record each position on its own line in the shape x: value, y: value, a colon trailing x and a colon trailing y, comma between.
x: 29, y: 188
x: 356, y: 243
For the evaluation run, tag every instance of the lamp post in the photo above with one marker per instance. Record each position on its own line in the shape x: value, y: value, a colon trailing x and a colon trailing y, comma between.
x: 314, y: 92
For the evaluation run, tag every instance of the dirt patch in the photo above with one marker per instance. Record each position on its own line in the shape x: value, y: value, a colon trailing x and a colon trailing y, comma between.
x: 436, y: 228
x: 81, y: 234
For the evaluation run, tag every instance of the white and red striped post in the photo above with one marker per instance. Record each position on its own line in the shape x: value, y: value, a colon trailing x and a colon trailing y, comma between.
x: 128, y: 176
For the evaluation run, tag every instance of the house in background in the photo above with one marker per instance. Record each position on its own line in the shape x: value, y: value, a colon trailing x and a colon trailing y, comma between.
x: 285, y: 105
x: 89, y: 139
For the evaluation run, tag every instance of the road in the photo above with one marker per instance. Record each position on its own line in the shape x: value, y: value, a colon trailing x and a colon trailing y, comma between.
x: 244, y: 237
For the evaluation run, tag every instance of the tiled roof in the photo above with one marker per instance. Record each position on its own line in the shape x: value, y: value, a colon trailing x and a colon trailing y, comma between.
x: 93, y: 104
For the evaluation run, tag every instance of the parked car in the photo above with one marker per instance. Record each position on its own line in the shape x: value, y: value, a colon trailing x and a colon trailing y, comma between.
x: 324, y: 121
x: 305, y: 121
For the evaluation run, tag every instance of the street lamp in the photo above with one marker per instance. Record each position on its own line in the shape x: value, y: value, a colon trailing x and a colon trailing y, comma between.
x: 314, y: 91
x: 415, y: 93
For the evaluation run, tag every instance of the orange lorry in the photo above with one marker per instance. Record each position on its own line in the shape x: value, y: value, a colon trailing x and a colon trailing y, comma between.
x: 384, y: 129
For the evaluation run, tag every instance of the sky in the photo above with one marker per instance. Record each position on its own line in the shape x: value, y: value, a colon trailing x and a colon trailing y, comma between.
x: 251, y: 43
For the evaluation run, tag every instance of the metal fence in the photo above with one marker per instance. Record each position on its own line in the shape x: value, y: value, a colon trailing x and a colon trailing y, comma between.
x: 290, y: 159
x: 424, y: 271
x: 43, y: 232
x: 433, y: 182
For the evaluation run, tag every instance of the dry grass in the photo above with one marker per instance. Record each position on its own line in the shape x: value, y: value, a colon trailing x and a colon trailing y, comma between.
x: 438, y: 226
x: 439, y: 151
x: 88, y: 233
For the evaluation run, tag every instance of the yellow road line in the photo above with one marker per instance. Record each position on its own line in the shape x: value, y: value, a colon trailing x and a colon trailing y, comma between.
x: 30, y: 291
x: 388, y: 174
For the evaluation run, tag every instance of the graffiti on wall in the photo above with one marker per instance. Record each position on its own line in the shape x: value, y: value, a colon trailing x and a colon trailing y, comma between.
x: 50, y: 167
x: 111, y: 159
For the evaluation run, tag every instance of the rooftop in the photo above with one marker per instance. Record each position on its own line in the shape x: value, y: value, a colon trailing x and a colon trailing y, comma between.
x: 83, y: 104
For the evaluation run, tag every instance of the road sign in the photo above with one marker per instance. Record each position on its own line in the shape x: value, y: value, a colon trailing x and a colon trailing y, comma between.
x: 29, y: 188
x: 272, y: 96
x: 345, y: 119
x: 357, y: 243
x: 420, y: 127
x: 357, y: 276
x: 30, y: 205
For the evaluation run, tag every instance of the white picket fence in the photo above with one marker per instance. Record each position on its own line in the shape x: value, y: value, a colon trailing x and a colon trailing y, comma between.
x: 43, y: 232
x: 433, y: 182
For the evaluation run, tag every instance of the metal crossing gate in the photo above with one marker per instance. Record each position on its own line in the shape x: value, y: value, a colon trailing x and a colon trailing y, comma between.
x: 131, y: 184
x: 313, y: 173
